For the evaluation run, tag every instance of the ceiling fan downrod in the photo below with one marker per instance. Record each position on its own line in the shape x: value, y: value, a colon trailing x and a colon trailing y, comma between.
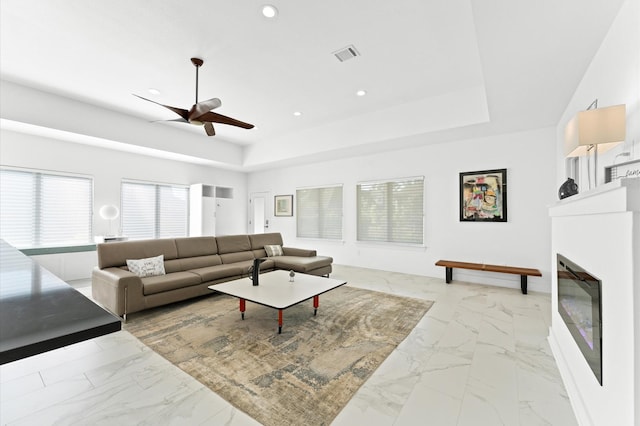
x: 197, y: 62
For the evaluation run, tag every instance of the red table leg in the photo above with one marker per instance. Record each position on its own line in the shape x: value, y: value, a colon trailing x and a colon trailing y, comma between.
x: 316, y: 303
x: 279, y: 321
x: 242, y: 307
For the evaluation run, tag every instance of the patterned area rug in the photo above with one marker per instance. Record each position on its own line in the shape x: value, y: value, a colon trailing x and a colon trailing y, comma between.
x: 305, y: 375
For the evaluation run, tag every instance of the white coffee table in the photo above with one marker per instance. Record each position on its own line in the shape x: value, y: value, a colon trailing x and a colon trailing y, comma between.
x: 275, y: 291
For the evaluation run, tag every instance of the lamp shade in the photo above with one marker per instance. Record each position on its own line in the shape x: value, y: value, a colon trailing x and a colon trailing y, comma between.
x: 604, y: 127
x: 109, y: 212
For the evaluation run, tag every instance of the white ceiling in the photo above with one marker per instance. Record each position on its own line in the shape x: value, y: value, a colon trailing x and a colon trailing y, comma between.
x: 434, y: 71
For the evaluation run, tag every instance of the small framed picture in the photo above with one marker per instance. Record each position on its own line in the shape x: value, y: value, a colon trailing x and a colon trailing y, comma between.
x: 283, y: 205
x: 483, y: 196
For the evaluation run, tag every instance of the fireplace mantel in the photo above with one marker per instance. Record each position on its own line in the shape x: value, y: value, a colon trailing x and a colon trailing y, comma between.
x: 616, y: 196
x: 600, y: 230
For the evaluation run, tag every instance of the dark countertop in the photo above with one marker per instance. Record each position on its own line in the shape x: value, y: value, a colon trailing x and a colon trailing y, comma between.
x: 40, y: 312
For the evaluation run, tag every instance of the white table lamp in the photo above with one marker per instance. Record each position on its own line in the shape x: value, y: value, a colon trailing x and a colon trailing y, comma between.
x: 597, y: 129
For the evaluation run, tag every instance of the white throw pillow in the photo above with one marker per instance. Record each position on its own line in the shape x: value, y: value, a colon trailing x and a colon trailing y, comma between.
x: 148, y: 267
x: 273, y: 250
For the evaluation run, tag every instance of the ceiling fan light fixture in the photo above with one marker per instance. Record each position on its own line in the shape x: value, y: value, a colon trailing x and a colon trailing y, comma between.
x: 269, y: 11
x: 361, y: 92
x: 297, y: 113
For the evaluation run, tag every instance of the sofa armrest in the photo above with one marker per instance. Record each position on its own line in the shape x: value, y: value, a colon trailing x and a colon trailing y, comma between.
x: 291, y: 251
x: 118, y: 290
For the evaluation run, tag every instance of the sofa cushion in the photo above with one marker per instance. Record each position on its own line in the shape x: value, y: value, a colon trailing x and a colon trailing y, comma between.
x: 302, y: 264
x: 116, y: 254
x: 273, y: 250
x: 200, y: 262
x: 218, y: 272
x: 258, y: 241
x: 267, y: 265
x: 246, y: 266
x: 148, y: 267
x: 259, y: 253
x: 196, y: 246
x: 236, y: 257
x: 292, y: 251
x: 175, y: 280
x: 233, y: 244
x: 173, y: 265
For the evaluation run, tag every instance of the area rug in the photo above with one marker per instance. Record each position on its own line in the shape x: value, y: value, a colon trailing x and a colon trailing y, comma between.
x: 305, y: 375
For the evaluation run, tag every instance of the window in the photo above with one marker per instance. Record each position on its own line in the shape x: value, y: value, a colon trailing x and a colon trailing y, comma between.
x: 154, y: 211
x: 391, y: 211
x: 319, y: 212
x: 41, y: 209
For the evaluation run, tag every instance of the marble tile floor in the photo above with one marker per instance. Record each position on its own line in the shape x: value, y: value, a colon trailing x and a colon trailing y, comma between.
x: 480, y: 356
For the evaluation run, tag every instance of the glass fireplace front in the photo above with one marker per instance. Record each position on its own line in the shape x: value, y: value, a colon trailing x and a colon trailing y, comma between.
x: 579, y: 296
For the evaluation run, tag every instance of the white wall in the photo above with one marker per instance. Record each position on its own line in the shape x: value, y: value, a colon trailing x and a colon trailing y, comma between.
x: 524, y: 240
x: 108, y: 168
x: 613, y: 77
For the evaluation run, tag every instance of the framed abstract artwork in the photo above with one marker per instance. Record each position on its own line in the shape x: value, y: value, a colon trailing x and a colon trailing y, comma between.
x: 283, y: 205
x: 483, y: 196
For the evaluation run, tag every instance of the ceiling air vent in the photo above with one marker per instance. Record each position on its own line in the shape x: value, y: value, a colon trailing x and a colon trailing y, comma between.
x: 346, y: 53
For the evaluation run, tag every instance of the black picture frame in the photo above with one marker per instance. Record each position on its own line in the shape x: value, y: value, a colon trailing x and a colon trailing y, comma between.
x: 483, y: 196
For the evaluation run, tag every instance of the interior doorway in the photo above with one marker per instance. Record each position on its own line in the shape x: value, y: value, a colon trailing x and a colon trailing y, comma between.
x: 258, y: 215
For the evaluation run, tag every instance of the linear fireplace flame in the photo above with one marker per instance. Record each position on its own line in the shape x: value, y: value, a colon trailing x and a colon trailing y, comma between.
x: 579, y: 305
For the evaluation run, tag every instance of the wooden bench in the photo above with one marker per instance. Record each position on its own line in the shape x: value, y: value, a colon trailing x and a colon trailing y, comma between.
x: 523, y: 272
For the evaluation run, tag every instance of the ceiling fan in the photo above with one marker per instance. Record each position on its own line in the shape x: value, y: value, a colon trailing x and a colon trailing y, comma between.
x: 201, y: 112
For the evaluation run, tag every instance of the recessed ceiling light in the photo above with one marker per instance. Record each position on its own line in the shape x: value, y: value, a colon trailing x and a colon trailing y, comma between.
x: 361, y: 93
x: 269, y: 11
x: 297, y: 113
x: 154, y: 91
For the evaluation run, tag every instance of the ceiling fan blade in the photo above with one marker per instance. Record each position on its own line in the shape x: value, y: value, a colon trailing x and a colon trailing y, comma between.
x: 223, y: 119
x: 178, y: 120
x: 208, y: 127
x: 181, y: 112
x: 203, y: 107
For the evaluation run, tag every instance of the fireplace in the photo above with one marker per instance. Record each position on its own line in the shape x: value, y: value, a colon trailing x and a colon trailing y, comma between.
x: 579, y: 305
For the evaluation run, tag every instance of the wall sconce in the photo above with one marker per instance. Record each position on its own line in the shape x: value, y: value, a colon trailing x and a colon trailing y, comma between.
x: 109, y: 212
x: 597, y: 129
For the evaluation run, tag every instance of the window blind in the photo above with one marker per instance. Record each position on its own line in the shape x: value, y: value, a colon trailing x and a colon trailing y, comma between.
x: 319, y: 212
x: 44, y: 209
x: 154, y: 211
x: 391, y: 211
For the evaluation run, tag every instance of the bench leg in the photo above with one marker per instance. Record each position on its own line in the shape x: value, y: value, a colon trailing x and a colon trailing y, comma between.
x: 523, y: 284
x: 448, y: 274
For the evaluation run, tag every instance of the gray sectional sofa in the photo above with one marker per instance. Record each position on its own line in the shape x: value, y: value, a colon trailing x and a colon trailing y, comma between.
x: 191, y: 264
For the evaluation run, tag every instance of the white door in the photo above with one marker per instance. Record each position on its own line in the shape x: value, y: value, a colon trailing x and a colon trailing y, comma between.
x: 258, y: 216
